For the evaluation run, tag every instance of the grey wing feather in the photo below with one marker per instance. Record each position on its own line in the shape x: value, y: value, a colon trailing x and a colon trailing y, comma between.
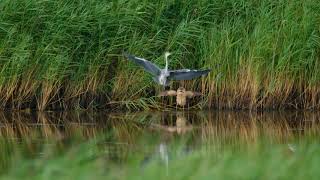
x: 187, y: 74
x: 147, y: 65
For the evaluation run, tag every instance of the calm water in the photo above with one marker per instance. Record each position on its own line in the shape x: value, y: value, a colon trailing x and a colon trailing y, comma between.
x: 151, y: 135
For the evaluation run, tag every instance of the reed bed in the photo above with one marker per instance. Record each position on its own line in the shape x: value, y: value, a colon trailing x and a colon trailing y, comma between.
x: 68, y: 54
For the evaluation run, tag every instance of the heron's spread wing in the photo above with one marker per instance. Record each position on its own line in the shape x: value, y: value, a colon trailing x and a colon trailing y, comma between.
x: 187, y: 74
x: 147, y: 65
x: 168, y: 93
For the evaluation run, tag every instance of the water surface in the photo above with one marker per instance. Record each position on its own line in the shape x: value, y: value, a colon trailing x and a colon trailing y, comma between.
x: 149, y: 136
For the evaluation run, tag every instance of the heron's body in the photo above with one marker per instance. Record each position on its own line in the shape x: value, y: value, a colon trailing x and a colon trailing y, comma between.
x: 163, y: 76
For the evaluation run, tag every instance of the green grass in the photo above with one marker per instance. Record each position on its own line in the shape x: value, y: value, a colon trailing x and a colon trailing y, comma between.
x: 68, y: 54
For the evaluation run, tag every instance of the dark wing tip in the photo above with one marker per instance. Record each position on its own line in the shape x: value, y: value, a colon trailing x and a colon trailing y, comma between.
x: 205, y: 71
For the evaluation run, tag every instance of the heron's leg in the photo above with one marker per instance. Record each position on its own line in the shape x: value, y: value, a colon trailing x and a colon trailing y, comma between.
x: 161, y: 100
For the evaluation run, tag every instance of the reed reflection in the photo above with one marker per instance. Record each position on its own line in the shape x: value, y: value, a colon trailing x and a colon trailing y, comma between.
x: 204, y: 125
x: 153, y: 134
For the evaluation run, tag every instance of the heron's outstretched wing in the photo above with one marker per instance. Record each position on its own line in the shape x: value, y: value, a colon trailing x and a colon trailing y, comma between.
x: 168, y: 93
x: 187, y: 74
x: 147, y: 65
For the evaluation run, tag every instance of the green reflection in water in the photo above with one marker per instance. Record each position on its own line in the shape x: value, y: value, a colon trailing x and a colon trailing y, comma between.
x: 119, y: 145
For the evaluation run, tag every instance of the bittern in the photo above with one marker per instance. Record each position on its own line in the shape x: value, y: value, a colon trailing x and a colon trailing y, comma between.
x: 181, y: 95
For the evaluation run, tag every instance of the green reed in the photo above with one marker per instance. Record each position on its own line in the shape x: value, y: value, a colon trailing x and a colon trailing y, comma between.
x: 68, y: 55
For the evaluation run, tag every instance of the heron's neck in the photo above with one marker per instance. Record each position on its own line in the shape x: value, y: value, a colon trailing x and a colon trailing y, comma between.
x: 166, y: 67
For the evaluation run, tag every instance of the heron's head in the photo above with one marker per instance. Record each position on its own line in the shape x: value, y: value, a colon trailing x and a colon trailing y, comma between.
x: 166, y: 54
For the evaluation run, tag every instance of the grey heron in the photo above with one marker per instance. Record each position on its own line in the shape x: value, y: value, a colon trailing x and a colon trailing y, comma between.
x: 163, y: 76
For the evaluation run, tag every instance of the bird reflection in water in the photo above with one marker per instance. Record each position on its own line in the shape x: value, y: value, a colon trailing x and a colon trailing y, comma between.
x: 181, y: 126
x: 162, y: 150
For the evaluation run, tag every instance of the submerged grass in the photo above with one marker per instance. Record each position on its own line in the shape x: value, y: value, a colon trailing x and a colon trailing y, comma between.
x: 68, y: 54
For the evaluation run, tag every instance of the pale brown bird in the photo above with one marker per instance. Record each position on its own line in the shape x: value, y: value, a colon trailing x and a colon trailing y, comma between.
x: 181, y: 94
